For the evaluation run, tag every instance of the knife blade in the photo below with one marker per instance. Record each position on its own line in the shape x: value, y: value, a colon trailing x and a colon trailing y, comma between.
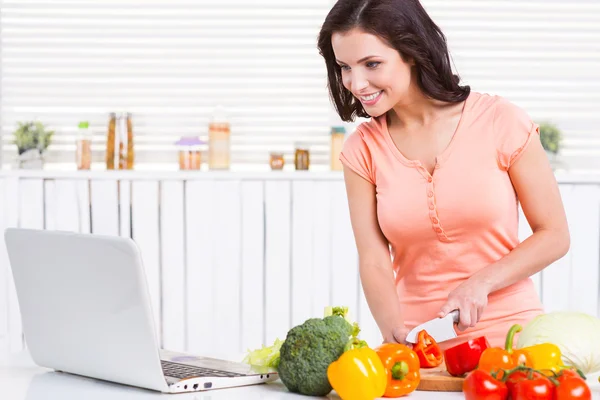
x: 440, y: 329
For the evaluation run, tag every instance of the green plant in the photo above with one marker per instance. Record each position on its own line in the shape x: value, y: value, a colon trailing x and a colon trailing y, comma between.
x: 32, y: 135
x: 550, y: 137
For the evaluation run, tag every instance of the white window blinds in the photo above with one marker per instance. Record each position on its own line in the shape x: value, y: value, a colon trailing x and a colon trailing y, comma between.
x: 543, y: 55
x: 169, y: 63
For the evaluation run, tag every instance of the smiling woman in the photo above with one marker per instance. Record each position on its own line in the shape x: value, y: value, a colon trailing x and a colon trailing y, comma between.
x: 436, y: 176
x: 402, y: 36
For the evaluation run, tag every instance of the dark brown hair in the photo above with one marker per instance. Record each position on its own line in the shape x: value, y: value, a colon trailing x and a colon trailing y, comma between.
x: 405, y: 26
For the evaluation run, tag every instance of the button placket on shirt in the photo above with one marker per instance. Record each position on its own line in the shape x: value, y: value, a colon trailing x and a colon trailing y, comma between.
x: 435, y: 220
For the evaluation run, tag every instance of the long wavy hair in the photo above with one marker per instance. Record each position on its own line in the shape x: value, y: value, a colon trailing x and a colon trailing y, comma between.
x: 403, y: 25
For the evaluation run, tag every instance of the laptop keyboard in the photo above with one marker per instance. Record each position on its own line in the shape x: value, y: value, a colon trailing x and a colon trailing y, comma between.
x: 183, y: 371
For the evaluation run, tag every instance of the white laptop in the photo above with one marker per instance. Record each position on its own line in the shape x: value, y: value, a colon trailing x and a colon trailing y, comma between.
x: 86, y: 310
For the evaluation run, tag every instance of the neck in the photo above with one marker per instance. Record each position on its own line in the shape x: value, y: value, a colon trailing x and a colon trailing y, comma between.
x: 415, y: 109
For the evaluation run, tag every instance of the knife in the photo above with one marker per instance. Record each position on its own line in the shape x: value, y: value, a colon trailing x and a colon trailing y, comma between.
x: 440, y: 329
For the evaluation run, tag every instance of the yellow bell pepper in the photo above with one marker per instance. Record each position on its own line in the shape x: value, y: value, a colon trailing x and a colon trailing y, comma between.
x: 358, y: 375
x: 544, y: 357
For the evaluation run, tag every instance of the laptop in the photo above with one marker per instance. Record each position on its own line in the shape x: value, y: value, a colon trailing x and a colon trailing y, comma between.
x: 85, y: 309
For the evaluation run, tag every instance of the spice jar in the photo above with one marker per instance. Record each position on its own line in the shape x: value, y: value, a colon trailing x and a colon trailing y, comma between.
x: 276, y: 161
x: 190, y: 153
x: 302, y: 157
x: 84, y: 146
x: 338, y: 134
x: 219, y: 136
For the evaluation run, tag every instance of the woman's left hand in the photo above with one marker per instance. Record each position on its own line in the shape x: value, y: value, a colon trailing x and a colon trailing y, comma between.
x: 470, y: 298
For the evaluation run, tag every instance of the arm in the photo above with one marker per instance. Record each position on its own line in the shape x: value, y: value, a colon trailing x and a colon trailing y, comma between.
x: 375, y: 264
x: 537, y: 190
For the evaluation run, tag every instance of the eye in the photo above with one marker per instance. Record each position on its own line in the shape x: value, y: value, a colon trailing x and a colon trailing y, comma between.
x: 344, y: 67
x: 373, y: 64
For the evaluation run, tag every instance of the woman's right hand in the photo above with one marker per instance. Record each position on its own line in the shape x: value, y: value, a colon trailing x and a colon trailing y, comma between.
x: 397, y: 335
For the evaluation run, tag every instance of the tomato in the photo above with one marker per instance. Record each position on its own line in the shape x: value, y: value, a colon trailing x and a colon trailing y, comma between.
x: 572, y: 388
x: 480, y: 385
x: 517, y: 377
x: 540, y: 388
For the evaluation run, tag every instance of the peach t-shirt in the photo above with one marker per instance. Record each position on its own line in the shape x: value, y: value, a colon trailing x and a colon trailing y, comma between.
x: 444, y: 227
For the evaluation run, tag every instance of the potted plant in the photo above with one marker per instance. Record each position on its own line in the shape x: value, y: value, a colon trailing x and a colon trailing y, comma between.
x: 32, y: 139
x: 551, y: 138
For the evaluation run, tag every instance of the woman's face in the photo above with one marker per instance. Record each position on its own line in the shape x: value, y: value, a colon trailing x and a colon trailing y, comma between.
x: 371, y: 70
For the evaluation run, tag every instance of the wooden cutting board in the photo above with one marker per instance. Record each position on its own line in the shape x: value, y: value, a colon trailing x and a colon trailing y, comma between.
x: 439, y: 380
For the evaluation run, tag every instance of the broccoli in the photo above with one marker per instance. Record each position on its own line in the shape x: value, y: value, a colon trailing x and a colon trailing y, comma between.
x: 309, y: 349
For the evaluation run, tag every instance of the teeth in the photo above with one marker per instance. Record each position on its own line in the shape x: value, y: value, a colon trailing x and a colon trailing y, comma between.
x: 371, y: 97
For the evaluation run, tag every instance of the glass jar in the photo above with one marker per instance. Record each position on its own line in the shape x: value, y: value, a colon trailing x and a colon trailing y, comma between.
x: 119, y: 142
x: 190, y: 153
x: 84, y: 146
x: 302, y: 157
x: 276, y: 161
x: 111, y: 141
x: 219, y: 137
x: 338, y: 133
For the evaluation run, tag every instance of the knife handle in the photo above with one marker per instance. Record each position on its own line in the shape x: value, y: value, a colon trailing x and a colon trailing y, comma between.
x: 455, y: 316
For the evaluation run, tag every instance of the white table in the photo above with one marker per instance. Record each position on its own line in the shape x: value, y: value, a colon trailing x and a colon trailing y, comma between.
x: 20, y: 379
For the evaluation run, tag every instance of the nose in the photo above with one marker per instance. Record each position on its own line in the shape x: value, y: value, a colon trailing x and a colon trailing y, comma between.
x: 358, y: 81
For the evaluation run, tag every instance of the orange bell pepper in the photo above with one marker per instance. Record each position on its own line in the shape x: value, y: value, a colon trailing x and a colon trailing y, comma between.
x: 495, y: 358
x: 401, y: 365
x: 429, y: 353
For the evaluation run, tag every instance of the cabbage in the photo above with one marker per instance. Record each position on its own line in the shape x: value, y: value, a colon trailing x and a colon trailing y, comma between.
x: 576, y: 334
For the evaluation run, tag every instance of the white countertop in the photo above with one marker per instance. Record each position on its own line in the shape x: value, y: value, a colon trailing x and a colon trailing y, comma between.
x: 20, y: 379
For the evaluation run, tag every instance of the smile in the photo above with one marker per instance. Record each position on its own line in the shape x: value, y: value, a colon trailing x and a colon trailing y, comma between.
x: 371, y: 99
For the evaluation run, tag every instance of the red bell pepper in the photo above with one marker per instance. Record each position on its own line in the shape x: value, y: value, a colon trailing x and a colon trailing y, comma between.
x: 429, y: 353
x: 464, y: 357
x: 480, y: 385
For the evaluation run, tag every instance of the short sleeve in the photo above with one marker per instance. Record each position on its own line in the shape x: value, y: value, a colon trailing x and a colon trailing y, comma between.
x: 355, y: 155
x: 513, y: 130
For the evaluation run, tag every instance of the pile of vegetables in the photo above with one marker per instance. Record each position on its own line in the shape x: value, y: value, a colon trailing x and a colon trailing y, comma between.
x: 325, y: 354
x: 550, y: 361
x: 554, y: 353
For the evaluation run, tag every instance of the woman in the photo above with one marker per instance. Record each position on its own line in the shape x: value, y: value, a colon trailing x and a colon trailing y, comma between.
x: 434, y: 176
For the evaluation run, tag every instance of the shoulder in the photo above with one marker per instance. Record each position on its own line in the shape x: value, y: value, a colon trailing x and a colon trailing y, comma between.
x: 361, y: 147
x: 497, y: 109
x: 366, y: 134
x: 511, y: 127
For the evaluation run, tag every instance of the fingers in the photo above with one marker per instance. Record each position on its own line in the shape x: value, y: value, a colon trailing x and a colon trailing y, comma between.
x: 446, y: 308
x: 398, y: 335
x: 469, y: 303
x: 465, y: 317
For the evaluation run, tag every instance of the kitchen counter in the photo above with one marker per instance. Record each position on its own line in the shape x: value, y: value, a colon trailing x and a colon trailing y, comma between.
x: 20, y: 379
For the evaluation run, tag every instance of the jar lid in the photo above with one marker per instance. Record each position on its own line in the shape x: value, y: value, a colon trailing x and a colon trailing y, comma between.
x: 338, y: 129
x: 302, y: 145
x: 84, y: 125
x: 189, y: 141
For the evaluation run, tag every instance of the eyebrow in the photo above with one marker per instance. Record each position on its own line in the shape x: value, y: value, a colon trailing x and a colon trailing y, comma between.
x: 359, y: 61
